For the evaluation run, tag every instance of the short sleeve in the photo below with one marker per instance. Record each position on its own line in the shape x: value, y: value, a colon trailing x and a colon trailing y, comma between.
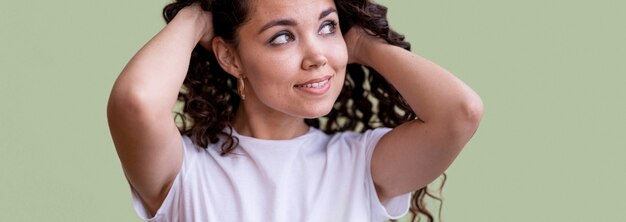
x: 394, y: 208
x: 173, y: 194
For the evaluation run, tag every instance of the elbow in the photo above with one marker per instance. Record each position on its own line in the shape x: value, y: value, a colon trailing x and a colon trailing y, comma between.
x: 128, y: 103
x: 467, y: 118
x: 473, y: 111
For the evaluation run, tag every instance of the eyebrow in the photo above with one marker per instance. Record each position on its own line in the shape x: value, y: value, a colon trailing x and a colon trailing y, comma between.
x: 291, y: 22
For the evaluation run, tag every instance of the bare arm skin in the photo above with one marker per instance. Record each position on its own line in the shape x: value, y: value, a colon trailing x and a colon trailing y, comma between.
x: 141, y: 102
x: 414, y: 154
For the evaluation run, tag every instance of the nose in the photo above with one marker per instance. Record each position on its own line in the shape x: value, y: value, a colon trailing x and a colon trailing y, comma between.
x: 314, y: 57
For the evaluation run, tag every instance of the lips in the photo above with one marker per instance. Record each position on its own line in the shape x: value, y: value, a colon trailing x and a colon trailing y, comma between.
x: 315, y: 83
x: 316, y: 87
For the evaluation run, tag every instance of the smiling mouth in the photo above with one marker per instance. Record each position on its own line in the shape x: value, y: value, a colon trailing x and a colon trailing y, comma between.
x: 315, y: 85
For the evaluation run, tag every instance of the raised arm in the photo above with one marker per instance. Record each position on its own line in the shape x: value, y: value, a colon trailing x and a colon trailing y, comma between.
x: 141, y: 103
x: 414, y: 154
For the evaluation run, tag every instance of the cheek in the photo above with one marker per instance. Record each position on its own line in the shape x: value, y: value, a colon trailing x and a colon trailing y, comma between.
x: 270, y: 74
x: 338, y: 54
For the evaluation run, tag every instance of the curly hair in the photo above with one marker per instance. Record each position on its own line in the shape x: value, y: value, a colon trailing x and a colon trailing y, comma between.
x: 210, y: 100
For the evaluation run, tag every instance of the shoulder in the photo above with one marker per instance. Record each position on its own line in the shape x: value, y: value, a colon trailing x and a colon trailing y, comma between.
x: 192, y: 151
x: 190, y: 147
x: 367, y: 139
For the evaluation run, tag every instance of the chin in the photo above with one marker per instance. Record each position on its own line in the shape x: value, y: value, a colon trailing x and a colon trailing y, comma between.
x: 316, y: 112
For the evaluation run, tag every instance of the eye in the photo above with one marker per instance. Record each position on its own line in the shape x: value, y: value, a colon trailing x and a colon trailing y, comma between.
x: 328, y: 27
x: 282, y: 38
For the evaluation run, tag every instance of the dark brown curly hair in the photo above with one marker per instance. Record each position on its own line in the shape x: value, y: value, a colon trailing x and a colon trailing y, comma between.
x: 367, y: 100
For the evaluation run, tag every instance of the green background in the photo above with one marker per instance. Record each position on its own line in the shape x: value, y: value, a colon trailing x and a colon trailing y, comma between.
x: 551, y: 146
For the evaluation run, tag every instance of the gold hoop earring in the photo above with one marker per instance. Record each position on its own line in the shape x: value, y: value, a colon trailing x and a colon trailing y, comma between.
x: 240, y: 88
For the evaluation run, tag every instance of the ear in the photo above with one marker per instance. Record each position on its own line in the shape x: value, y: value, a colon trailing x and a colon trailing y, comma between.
x: 227, y: 57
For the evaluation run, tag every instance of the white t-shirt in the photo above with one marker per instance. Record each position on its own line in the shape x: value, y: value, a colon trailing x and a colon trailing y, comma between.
x: 314, y: 177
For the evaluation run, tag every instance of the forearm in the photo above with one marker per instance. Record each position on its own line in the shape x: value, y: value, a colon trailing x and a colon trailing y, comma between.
x: 433, y: 93
x: 153, y: 77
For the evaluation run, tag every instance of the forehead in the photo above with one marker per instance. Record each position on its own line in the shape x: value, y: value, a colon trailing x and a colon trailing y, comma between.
x: 267, y: 10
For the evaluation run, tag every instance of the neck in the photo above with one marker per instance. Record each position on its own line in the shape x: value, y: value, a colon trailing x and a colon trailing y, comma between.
x: 268, y: 125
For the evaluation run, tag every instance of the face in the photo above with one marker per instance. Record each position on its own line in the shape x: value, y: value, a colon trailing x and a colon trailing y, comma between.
x: 293, y: 57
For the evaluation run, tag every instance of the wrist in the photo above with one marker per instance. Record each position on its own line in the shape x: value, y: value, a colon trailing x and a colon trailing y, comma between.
x: 194, y: 18
x: 369, y: 49
x: 362, y: 46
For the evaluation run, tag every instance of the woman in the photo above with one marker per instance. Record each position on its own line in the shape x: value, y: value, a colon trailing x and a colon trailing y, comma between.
x: 270, y: 110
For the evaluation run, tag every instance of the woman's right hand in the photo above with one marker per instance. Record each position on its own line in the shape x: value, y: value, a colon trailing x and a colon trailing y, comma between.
x: 205, y: 21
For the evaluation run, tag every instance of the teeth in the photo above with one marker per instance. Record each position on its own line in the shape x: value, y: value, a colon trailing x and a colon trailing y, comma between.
x: 316, y: 85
